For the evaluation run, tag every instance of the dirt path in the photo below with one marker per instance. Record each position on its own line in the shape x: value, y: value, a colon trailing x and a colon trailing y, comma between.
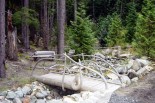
x: 141, y: 92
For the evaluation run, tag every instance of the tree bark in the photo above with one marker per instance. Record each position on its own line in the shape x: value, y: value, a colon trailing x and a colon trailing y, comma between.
x: 2, y: 39
x: 25, y: 26
x: 61, y: 13
x: 75, y: 10
x: 44, y: 24
x: 51, y: 20
x: 11, y: 38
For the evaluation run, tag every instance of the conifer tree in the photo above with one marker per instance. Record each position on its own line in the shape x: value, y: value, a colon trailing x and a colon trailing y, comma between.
x: 145, y: 30
x: 116, y: 31
x: 131, y: 21
x: 81, y: 34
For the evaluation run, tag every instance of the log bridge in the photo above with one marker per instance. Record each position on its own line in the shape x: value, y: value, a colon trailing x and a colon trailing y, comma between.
x: 88, y: 84
x: 79, y: 80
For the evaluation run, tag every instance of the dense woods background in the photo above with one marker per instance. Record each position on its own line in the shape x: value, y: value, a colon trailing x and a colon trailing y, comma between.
x: 77, y: 24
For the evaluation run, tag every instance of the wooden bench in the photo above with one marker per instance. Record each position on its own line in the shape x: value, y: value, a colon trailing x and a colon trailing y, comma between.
x: 43, y: 54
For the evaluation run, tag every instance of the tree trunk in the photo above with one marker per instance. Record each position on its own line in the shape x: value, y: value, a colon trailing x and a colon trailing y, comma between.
x: 44, y: 24
x: 75, y: 9
x: 11, y: 38
x: 61, y: 12
x: 2, y: 39
x: 51, y: 20
x: 25, y: 26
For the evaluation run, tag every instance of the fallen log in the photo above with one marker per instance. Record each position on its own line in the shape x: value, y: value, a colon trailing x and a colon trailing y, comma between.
x: 88, y: 84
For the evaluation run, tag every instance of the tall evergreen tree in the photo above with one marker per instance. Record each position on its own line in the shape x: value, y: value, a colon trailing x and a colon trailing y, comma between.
x: 44, y: 23
x: 131, y: 21
x: 81, y: 34
x: 116, y: 31
x: 61, y: 15
x: 25, y: 26
x: 2, y: 39
x: 145, y: 30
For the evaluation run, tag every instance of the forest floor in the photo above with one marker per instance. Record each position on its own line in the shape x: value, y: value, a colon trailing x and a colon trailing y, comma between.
x: 19, y: 74
x: 141, y: 92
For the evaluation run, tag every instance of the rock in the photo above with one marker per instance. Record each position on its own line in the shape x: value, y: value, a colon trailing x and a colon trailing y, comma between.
x: 26, y: 90
x: 19, y: 94
x: 124, y: 55
x: 114, y: 53
x: 6, y: 101
x: 144, y: 70
x: 69, y: 99
x: 41, y: 101
x: 44, y: 93
x: 134, y: 80
x: 143, y: 62
x: 112, y: 76
x: 125, y: 80
x: 38, y: 88
x: 11, y: 95
x: 4, y: 93
x: 17, y: 100
x: 49, y: 97
x: 54, y: 94
x: 77, y: 97
x: 85, y: 95
x: 19, y: 88
x: 26, y: 99
x: 41, y: 94
x: 99, y: 55
x: 136, y: 65
x: 130, y: 63
x: 107, y: 51
x: 2, y: 98
x: 54, y: 101
x: 122, y: 69
x: 33, y: 99
x: 132, y: 73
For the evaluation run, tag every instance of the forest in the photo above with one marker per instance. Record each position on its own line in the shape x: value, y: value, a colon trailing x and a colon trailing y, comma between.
x: 82, y: 25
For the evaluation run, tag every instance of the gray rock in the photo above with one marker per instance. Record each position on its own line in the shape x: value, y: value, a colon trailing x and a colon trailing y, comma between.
x: 33, y: 99
x: 130, y: 63
x: 2, y: 97
x: 122, y: 69
x: 134, y: 80
x: 144, y: 70
x: 125, y: 80
x: 17, y: 100
x: 11, y: 95
x: 143, y: 62
x: 19, y: 94
x: 41, y: 101
x: 26, y: 90
x: 41, y: 94
x: 44, y: 93
x: 49, y: 97
x: 6, y: 101
x: 19, y: 88
x: 54, y: 101
x: 136, y: 65
x: 4, y: 93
